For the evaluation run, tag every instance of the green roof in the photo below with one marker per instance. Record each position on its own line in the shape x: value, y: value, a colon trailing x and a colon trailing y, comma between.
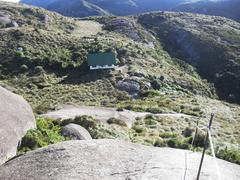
x: 101, y: 59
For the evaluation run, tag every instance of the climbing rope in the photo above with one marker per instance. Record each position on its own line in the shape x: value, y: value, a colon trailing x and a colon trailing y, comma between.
x: 213, y: 154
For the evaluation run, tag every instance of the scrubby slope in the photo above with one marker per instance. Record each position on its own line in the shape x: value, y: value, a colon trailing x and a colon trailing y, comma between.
x: 212, y: 44
x: 43, y: 58
x: 76, y: 8
x: 55, y: 47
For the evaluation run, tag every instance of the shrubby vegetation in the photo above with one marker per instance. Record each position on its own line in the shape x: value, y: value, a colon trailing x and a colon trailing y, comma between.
x: 47, y: 132
x: 230, y: 155
x: 151, y: 131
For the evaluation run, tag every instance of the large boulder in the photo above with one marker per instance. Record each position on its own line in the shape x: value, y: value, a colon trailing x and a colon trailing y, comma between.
x: 76, y: 132
x: 130, y: 86
x: 113, y: 160
x: 4, y: 18
x: 16, y: 118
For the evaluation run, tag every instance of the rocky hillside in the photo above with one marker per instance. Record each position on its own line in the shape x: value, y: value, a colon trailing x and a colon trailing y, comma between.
x: 76, y: 8
x: 82, y: 8
x: 211, y: 44
x: 43, y: 58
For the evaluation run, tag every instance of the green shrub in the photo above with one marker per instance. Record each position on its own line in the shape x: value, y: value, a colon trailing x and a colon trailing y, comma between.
x: 85, y: 121
x: 116, y: 121
x: 150, y: 122
x: 229, y: 155
x: 187, y: 132
x: 101, y: 131
x: 47, y: 132
x: 199, y: 140
x: 168, y: 135
x: 23, y: 68
x: 156, y: 84
x: 39, y: 69
x: 139, y: 129
x: 178, y: 143
x: 160, y: 143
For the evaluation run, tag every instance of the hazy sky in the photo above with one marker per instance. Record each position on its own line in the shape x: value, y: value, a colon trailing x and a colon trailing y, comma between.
x: 10, y: 0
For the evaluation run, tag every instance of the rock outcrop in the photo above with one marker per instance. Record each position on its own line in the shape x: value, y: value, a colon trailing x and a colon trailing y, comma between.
x: 102, y: 114
x: 16, y: 118
x: 130, y: 86
x: 112, y: 160
x: 76, y: 132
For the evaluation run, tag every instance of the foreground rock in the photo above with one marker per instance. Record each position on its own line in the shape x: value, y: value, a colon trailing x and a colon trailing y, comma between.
x: 76, y: 132
x: 112, y: 160
x: 16, y: 118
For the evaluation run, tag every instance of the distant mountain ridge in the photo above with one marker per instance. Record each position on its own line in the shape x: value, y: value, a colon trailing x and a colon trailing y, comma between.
x: 225, y: 8
x: 83, y: 8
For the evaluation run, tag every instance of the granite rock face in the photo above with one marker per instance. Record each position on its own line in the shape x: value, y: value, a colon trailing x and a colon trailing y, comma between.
x: 16, y: 118
x: 76, y: 132
x: 113, y: 160
x: 130, y: 86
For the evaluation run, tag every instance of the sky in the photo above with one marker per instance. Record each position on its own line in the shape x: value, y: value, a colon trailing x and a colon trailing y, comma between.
x: 10, y: 0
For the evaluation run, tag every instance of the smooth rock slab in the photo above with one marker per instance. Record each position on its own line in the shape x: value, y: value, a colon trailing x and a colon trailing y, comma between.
x: 99, y: 113
x: 16, y: 117
x: 112, y: 160
x: 76, y: 132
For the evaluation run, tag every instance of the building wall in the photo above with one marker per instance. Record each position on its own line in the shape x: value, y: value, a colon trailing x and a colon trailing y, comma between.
x: 102, y: 67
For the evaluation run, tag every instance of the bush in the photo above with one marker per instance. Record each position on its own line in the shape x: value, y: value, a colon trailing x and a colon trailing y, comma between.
x: 156, y: 84
x: 85, y: 121
x: 159, y: 143
x: 23, y: 68
x: 120, y: 109
x: 178, y: 143
x: 47, y: 132
x: 39, y: 69
x: 139, y: 129
x: 168, y: 135
x: 187, y: 132
x: 150, y: 122
x: 116, y: 121
x: 229, y: 155
x: 199, y: 140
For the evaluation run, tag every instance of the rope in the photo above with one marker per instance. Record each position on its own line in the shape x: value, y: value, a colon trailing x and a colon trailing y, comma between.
x: 213, y: 154
x: 186, y: 166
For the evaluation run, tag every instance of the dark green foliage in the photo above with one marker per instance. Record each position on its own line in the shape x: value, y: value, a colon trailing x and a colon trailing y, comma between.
x: 159, y: 143
x: 116, y: 121
x: 156, y: 84
x: 85, y: 121
x: 229, y: 155
x: 187, y: 132
x: 178, y: 143
x: 47, y: 132
x: 199, y: 140
x: 217, y: 61
x: 139, y: 129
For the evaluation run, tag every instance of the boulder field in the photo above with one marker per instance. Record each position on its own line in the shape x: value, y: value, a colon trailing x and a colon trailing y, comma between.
x: 113, y: 160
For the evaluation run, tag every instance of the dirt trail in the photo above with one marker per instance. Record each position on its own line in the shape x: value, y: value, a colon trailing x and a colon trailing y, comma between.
x: 102, y: 114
